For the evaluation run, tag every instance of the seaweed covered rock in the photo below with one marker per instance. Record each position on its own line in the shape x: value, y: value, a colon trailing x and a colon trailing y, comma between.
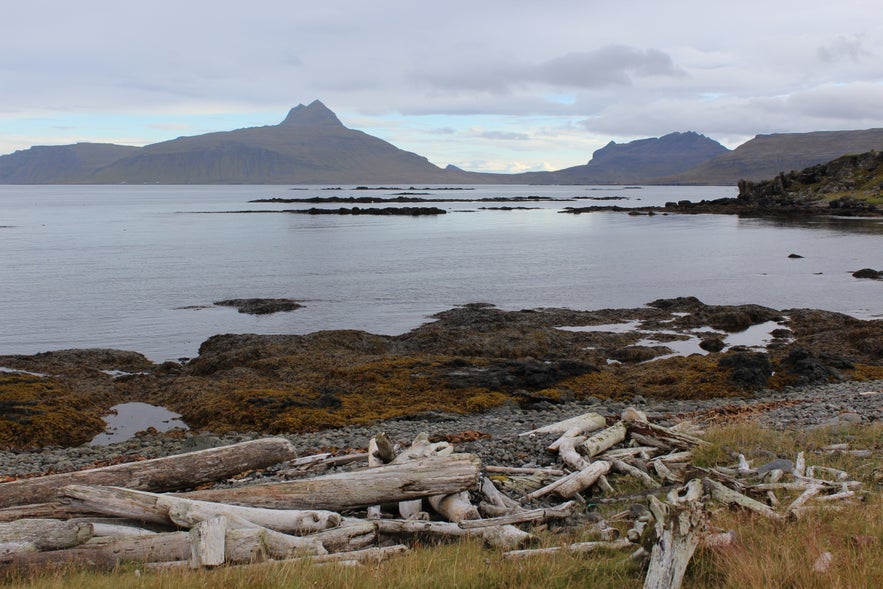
x: 749, y: 369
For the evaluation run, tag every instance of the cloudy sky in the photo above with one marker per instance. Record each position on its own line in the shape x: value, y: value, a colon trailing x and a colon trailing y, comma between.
x: 487, y: 85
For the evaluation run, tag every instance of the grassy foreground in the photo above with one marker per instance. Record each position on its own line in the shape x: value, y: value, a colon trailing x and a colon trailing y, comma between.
x: 767, y: 554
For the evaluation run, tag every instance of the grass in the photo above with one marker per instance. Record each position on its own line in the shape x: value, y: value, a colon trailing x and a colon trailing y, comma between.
x: 767, y: 554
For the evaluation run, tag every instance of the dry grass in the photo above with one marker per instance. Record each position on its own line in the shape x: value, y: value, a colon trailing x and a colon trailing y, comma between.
x: 767, y: 554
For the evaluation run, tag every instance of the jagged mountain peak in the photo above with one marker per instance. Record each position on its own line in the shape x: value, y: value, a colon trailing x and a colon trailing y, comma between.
x: 314, y: 114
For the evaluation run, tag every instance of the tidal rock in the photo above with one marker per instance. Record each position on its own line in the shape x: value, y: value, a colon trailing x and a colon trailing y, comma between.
x: 712, y: 344
x: 869, y: 273
x: 261, y: 306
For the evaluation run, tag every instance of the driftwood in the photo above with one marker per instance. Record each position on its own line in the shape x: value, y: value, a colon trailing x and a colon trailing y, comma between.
x: 571, y: 427
x: 53, y: 510
x: 578, y: 547
x: 604, y: 439
x: 665, y: 434
x: 421, y: 447
x: 575, y: 482
x: 208, y: 542
x: 169, y: 509
x: 680, y: 524
x: 505, y: 537
x: 180, y: 471
x: 731, y: 497
x: 45, y: 534
x: 358, y: 489
x: 562, y: 511
x: 105, y: 553
x: 455, y: 507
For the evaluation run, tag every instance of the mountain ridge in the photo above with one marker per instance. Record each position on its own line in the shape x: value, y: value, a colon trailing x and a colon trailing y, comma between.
x: 312, y: 146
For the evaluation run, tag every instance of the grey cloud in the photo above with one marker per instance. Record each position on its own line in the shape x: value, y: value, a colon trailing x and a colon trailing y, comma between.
x: 844, y: 48
x: 507, y: 136
x: 611, y: 65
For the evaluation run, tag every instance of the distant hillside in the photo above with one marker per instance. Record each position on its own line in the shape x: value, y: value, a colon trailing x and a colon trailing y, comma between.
x: 639, y: 162
x: 311, y: 146
x: 766, y: 155
x: 59, y: 164
x: 851, y: 182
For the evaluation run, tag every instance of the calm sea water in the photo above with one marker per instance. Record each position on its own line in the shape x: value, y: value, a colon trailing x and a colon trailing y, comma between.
x: 138, y: 267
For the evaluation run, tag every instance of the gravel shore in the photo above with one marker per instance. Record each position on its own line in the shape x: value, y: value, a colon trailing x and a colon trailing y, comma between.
x: 492, y: 435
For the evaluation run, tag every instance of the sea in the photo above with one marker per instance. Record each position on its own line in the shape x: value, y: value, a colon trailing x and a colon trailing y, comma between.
x: 140, y: 267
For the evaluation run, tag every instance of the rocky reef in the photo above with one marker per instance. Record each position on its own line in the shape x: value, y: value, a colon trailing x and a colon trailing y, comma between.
x: 469, y: 359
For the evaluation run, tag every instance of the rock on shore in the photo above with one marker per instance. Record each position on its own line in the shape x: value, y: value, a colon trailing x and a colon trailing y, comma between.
x: 471, y: 359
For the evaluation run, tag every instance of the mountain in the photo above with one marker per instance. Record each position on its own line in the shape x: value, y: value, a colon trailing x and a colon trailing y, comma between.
x: 766, y: 155
x: 59, y: 164
x: 311, y: 146
x: 639, y: 162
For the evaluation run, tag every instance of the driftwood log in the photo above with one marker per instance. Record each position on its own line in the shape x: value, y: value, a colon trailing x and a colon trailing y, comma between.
x: 679, y: 526
x: 337, y: 492
x: 168, y: 509
x: 104, y: 553
x: 45, y: 534
x: 180, y: 471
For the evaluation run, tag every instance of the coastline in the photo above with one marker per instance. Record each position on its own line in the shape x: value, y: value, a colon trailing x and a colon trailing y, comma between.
x: 472, y: 359
x: 492, y: 435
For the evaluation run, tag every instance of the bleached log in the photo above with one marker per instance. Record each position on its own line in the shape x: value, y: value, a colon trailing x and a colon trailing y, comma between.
x: 838, y: 475
x: 680, y: 523
x: 497, y: 497
x: 605, y: 485
x: 581, y: 547
x: 668, y: 435
x: 420, y: 447
x: 845, y: 494
x: 358, y: 489
x: 643, y: 440
x: 731, y: 497
x: 664, y: 472
x: 180, y: 471
x: 46, y: 534
x: 772, y: 499
x: 566, y: 447
x: 808, y: 494
x: 52, y: 510
x: 455, y: 507
x: 490, y: 510
x: 799, y: 465
x: 351, y: 534
x: 503, y: 537
x: 573, y: 483
x: 165, y: 509
x: 626, y: 468
x: 102, y: 529
x: 105, y: 553
x: 374, y: 460
x: 515, y: 470
x: 620, y: 453
x: 683, y: 456
x: 10, y: 548
x: 207, y: 542
x: 603, y: 440
x: 579, y: 424
x: 562, y: 511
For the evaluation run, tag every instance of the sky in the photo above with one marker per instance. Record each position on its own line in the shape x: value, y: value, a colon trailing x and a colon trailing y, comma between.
x: 486, y: 85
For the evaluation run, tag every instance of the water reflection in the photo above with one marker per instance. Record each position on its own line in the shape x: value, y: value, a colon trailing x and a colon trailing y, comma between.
x: 866, y: 225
